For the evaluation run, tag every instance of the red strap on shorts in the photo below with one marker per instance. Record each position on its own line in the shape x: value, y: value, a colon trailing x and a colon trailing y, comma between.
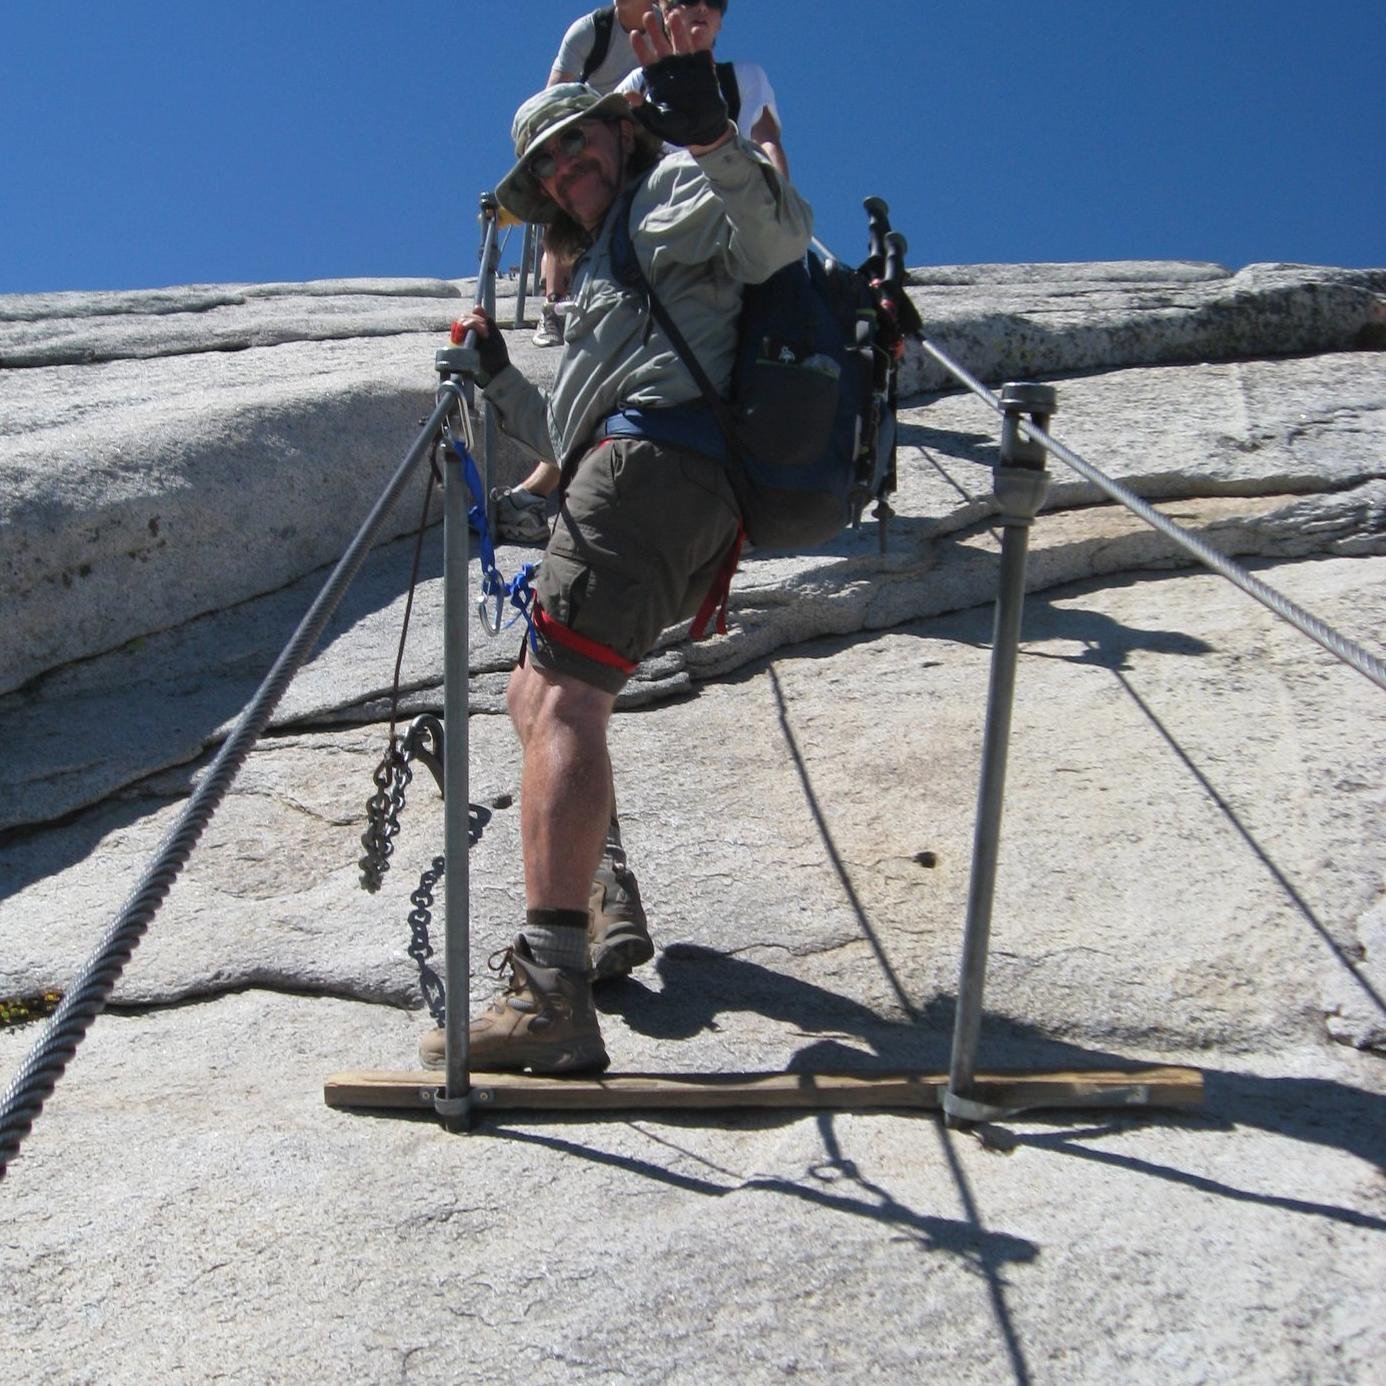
x: 719, y: 594
x: 566, y: 636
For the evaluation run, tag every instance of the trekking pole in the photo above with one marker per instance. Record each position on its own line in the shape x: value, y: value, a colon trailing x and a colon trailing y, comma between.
x: 1020, y: 484
x: 877, y: 228
x: 894, y: 248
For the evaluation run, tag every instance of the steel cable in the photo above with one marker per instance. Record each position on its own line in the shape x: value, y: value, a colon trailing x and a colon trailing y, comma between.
x: 86, y: 997
x: 1306, y: 622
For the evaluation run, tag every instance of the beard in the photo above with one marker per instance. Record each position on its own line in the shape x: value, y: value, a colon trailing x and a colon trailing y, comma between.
x: 596, y: 189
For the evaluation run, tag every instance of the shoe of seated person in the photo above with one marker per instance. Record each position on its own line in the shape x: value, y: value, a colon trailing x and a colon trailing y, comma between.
x: 618, y: 935
x: 550, y: 330
x: 521, y: 517
x: 543, y: 1020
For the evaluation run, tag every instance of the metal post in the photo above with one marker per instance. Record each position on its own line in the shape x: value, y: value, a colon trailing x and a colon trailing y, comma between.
x: 455, y: 1107
x: 522, y: 288
x: 1020, y: 484
x: 459, y: 364
x: 490, y: 259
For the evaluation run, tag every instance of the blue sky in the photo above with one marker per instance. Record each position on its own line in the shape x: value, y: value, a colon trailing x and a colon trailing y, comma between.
x: 154, y: 142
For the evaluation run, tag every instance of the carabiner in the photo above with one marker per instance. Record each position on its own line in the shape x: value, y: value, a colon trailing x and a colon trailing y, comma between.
x: 491, y: 627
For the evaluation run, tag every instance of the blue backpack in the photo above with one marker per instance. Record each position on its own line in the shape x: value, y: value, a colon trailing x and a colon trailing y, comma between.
x: 806, y: 422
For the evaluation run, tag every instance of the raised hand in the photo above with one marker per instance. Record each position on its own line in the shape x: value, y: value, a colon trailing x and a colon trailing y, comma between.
x: 683, y: 103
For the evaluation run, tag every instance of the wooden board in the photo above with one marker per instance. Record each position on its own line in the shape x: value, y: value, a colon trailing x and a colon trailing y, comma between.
x: 415, y: 1091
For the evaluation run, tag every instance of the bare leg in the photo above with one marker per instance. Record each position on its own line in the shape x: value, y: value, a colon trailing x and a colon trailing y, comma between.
x: 557, y: 274
x: 543, y: 480
x: 565, y: 788
x: 544, y: 1018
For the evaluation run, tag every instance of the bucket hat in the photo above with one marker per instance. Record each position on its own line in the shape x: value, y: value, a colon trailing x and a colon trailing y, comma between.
x: 543, y: 116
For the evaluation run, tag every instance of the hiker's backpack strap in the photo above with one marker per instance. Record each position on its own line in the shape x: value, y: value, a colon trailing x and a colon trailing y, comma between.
x: 731, y: 89
x: 797, y: 422
x: 604, y: 22
x: 625, y: 262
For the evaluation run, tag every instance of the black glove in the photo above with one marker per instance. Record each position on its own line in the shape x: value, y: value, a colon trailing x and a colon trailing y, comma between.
x: 490, y: 350
x: 683, y: 103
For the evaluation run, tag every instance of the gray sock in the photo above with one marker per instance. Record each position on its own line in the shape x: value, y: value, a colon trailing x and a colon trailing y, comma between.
x: 557, y: 938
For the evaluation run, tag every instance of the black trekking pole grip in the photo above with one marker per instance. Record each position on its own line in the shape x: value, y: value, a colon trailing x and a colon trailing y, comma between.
x: 891, y: 287
x: 878, y: 227
x: 896, y: 248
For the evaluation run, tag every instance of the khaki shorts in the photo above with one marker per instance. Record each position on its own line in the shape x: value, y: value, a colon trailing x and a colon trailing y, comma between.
x: 639, y: 539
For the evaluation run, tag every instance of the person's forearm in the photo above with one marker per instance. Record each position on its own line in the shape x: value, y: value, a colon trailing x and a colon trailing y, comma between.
x: 774, y: 151
x: 522, y: 411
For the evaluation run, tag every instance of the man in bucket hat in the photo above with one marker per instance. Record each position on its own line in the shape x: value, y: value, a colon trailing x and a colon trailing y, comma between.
x: 648, y: 518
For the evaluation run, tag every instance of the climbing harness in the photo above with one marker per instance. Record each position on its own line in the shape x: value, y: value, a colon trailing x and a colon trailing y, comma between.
x: 518, y: 591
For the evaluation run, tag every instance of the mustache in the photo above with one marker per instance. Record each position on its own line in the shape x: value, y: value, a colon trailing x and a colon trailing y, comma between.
x: 580, y: 169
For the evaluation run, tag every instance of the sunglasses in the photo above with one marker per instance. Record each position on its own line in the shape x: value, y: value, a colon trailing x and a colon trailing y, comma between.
x: 544, y: 164
x: 718, y: 5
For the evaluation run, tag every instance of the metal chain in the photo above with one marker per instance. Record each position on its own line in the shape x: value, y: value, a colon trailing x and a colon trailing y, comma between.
x: 421, y: 916
x: 420, y: 949
x: 391, y: 778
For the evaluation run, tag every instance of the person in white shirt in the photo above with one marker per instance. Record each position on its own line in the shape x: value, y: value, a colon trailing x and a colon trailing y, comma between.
x: 745, y: 87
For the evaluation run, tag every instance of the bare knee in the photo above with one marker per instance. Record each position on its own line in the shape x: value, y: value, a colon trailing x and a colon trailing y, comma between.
x: 541, y: 702
x: 519, y: 698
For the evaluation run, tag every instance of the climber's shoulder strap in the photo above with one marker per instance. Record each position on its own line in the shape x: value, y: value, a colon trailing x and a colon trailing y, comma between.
x: 604, y: 23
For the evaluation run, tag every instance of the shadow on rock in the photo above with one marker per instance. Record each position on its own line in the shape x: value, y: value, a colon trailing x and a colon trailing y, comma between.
x: 1106, y: 642
x: 1317, y: 1111
x: 824, y: 1185
x: 701, y: 985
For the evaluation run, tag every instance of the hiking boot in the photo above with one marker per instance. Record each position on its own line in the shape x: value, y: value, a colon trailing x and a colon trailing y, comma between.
x: 521, y: 516
x: 550, y: 330
x: 544, y: 1021
x: 617, y: 933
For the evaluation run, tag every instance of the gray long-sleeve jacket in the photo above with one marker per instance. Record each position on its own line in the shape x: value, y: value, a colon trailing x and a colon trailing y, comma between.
x: 701, y: 228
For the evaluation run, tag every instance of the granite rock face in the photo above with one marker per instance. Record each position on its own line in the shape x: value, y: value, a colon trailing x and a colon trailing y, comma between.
x: 1190, y: 871
x: 259, y: 424
x: 1263, y: 459
x: 1012, y: 323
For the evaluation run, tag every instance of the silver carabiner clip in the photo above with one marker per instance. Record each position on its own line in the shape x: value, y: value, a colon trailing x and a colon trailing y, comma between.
x: 491, y: 627
x: 463, y: 410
